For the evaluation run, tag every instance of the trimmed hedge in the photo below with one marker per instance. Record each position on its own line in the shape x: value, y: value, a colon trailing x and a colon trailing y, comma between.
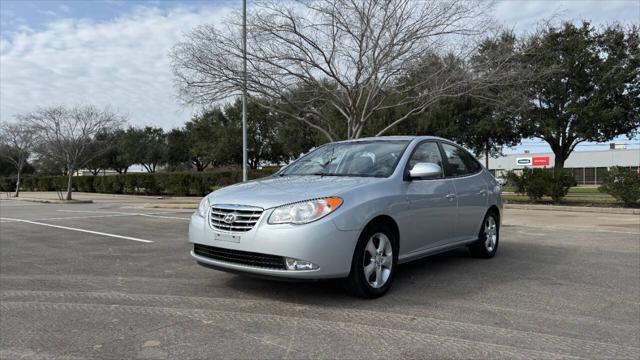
x: 169, y: 183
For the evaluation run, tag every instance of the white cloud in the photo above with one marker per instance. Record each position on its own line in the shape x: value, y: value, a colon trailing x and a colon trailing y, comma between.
x: 64, y: 8
x: 49, y: 13
x: 123, y: 63
x: 525, y: 15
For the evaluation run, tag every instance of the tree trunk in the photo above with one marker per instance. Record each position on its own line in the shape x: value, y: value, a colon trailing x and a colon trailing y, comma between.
x: 486, y: 158
x: 558, y: 169
x: 199, y: 165
x: 69, y: 183
x: 558, y: 163
x: 18, y: 184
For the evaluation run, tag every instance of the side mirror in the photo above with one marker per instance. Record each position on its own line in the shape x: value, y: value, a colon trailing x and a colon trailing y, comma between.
x: 425, y: 170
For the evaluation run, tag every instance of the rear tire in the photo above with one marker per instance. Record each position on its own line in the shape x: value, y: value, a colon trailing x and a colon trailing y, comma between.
x: 374, y: 262
x: 488, y: 238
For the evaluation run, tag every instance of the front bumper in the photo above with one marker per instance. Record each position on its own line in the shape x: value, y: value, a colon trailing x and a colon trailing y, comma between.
x: 319, y: 242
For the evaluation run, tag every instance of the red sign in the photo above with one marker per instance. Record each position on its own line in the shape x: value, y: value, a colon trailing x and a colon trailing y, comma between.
x: 540, y: 161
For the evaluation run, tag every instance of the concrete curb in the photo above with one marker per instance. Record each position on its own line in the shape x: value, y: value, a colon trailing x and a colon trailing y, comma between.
x: 587, y: 209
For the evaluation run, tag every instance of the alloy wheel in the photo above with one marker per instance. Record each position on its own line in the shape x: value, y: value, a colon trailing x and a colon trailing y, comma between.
x: 378, y: 260
x: 490, y: 233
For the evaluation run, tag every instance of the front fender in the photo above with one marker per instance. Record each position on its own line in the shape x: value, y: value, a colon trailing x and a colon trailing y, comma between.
x: 364, y: 208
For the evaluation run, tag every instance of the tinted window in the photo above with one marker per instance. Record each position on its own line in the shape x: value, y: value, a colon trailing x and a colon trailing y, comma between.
x: 356, y: 158
x: 460, y: 162
x: 426, y: 152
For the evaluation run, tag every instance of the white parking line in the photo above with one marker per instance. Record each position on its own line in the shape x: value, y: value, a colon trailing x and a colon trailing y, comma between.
x: 83, y: 217
x: 121, y: 213
x: 95, y: 211
x: 79, y: 230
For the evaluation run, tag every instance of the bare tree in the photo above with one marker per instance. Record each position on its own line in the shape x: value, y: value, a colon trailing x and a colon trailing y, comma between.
x: 348, y: 55
x: 66, y: 134
x: 18, y: 140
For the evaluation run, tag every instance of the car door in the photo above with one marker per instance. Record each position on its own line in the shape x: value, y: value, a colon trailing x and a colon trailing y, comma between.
x: 431, y: 212
x: 470, y: 189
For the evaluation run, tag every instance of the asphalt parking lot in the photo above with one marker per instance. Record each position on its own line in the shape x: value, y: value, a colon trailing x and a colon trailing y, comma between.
x: 116, y: 281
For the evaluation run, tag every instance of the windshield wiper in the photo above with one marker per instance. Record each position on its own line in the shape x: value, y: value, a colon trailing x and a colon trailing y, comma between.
x: 327, y: 174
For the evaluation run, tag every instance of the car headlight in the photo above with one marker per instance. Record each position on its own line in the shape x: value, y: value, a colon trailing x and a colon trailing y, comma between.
x: 305, y: 211
x: 204, y: 206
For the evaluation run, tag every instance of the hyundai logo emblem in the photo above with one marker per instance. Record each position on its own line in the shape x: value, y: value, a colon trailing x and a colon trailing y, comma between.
x: 229, y: 218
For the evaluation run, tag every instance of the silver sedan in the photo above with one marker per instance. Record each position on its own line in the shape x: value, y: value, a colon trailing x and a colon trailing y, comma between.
x: 353, y: 210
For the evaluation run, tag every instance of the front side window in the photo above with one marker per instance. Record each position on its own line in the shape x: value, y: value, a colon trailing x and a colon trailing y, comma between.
x: 357, y: 158
x: 427, y: 152
x: 459, y: 161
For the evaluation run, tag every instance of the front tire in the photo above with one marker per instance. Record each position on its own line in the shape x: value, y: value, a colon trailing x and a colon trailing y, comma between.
x: 488, y: 239
x: 375, y: 260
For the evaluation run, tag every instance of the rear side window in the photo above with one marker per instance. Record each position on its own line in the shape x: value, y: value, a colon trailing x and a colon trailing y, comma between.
x: 459, y: 161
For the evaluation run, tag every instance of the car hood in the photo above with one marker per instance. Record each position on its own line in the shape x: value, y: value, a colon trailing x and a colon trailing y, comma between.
x: 275, y: 191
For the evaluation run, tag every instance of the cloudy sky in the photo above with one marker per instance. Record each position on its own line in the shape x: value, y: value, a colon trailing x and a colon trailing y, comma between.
x: 115, y: 52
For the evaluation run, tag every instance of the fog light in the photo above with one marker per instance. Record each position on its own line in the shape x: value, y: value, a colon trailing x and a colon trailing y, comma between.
x: 295, y: 264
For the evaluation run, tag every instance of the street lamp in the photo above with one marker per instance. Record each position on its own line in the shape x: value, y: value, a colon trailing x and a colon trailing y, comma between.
x: 244, y: 90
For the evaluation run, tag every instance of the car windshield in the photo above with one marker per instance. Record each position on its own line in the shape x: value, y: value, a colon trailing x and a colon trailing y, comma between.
x: 356, y: 158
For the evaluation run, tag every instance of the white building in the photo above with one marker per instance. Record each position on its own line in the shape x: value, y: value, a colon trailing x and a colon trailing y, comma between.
x: 587, y: 166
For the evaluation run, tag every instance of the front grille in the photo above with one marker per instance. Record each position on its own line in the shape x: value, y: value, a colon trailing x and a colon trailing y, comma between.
x: 244, y: 217
x: 240, y: 257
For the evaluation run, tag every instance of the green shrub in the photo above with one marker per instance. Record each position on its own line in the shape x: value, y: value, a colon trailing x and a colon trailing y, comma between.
x: 7, y: 184
x: 559, y: 187
x: 59, y: 183
x: 84, y: 183
x: 109, y: 184
x: 536, y: 183
x: 44, y: 183
x: 623, y: 184
x: 177, y: 184
x: 185, y: 183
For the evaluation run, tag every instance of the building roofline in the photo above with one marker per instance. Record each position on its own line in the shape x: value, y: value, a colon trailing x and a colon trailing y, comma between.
x: 574, y: 152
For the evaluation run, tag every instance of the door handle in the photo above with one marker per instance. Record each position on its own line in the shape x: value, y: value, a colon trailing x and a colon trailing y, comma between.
x: 450, y: 196
x: 483, y: 192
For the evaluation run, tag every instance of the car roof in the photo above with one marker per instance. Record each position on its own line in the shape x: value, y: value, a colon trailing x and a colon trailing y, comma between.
x: 396, y: 138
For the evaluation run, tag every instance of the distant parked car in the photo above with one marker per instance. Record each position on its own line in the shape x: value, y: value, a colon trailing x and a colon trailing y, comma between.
x: 501, y: 181
x: 354, y: 210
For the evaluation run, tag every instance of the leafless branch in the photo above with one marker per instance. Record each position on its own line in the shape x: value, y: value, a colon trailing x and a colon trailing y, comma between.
x: 350, y: 54
x: 65, y: 134
x: 17, y: 141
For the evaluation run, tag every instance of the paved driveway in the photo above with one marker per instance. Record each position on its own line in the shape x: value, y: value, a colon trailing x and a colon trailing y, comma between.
x: 116, y: 281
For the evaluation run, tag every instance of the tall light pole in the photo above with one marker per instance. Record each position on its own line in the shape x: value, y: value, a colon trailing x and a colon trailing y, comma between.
x: 244, y: 90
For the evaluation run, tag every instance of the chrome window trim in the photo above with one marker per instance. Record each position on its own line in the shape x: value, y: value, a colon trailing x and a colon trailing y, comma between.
x: 445, y: 159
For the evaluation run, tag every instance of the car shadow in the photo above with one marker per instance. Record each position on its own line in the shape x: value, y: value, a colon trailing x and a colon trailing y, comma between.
x: 451, y: 275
